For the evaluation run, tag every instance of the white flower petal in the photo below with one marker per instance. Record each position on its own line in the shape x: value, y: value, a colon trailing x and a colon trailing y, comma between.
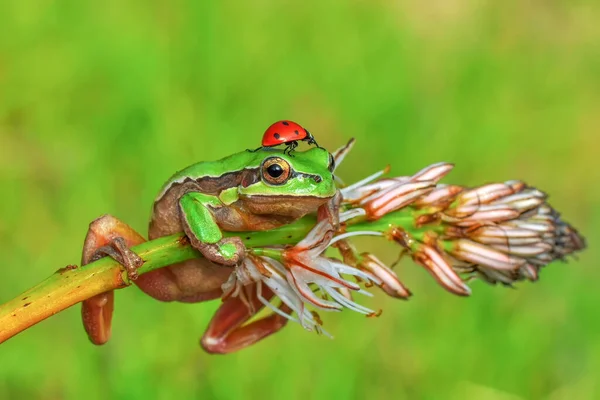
x: 299, y: 279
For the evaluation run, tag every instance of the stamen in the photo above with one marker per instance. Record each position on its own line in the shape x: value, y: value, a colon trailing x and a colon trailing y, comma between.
x: 303, y: 290
x: 348, y: 303
x: 352, y: 213
x: 355, y: 233
x: 271, y: 306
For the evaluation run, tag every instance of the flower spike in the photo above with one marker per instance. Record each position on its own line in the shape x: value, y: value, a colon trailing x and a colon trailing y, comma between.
x: 498, y: 232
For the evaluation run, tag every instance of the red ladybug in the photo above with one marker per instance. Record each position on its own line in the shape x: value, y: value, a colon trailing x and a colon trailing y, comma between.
x: 286, y: 132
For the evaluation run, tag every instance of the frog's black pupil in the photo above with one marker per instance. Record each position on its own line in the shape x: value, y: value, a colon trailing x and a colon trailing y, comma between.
x: 275, y: 170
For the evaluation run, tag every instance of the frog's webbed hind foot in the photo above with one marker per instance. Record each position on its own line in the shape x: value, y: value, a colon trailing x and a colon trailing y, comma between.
x: 233, y: 328
x: 117, y: 250
x: 107, y: 235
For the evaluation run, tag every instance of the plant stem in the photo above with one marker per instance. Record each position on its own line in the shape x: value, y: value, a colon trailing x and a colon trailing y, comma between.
x: 71, y: 285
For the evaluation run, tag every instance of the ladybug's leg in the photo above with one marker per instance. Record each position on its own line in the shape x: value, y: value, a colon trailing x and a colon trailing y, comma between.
x: 229, y: 331
x: 291, y: 147
x: 310, y: 139
x: 255, y: 150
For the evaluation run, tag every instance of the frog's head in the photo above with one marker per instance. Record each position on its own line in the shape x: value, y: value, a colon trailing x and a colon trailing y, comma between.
x: 290, y: 185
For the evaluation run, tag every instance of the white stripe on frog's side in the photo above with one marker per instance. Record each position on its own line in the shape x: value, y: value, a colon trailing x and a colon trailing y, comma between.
x: 183, y: 179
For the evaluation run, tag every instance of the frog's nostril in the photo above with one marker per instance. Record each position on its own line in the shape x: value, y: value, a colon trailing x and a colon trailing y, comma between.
x: 317, y: 178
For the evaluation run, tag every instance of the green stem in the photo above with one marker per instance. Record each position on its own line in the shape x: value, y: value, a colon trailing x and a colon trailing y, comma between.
x: 71, y: 285
x: 272, y: 253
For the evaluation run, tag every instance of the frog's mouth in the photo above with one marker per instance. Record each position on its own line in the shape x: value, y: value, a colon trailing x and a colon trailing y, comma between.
x: 289, y: 206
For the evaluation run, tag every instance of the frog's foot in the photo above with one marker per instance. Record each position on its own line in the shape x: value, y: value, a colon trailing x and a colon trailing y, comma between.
x: 227, y: 251
x: 331, y: 211
x: 229, y: 331
x: 107, y: 236
x: 117, y: 250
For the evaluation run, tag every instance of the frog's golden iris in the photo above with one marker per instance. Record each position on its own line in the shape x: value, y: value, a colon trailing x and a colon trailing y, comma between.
x: 275, y: 170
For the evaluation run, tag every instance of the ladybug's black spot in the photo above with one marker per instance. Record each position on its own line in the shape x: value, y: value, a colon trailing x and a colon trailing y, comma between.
x: 285, y: 123
x: 277, y: 136
x: 296, y: 132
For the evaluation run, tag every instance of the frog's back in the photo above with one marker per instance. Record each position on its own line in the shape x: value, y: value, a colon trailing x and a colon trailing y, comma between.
x: 207, y: 177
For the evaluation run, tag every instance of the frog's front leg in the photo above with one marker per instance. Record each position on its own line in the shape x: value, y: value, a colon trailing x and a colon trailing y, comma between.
x: 107, y: 236
x: 205, y: 235
x: 331, y: 211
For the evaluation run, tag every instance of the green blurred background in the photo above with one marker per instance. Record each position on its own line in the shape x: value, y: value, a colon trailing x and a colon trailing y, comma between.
x: 100, y: 102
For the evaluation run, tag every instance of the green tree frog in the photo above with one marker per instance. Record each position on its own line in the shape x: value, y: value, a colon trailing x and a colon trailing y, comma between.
x: 247, y: 191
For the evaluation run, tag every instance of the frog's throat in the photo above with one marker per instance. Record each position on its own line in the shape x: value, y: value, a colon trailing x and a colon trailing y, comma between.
x: 284, y: 205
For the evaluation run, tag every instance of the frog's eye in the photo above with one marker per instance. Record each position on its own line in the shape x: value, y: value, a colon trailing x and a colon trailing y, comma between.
x: 275, y: 170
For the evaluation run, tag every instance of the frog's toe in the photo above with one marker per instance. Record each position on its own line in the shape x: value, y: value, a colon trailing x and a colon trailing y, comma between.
x: 227, y: 251
x: 117, y: 250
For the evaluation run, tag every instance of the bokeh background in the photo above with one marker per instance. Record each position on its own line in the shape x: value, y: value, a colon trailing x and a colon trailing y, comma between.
x: 100, y: 102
